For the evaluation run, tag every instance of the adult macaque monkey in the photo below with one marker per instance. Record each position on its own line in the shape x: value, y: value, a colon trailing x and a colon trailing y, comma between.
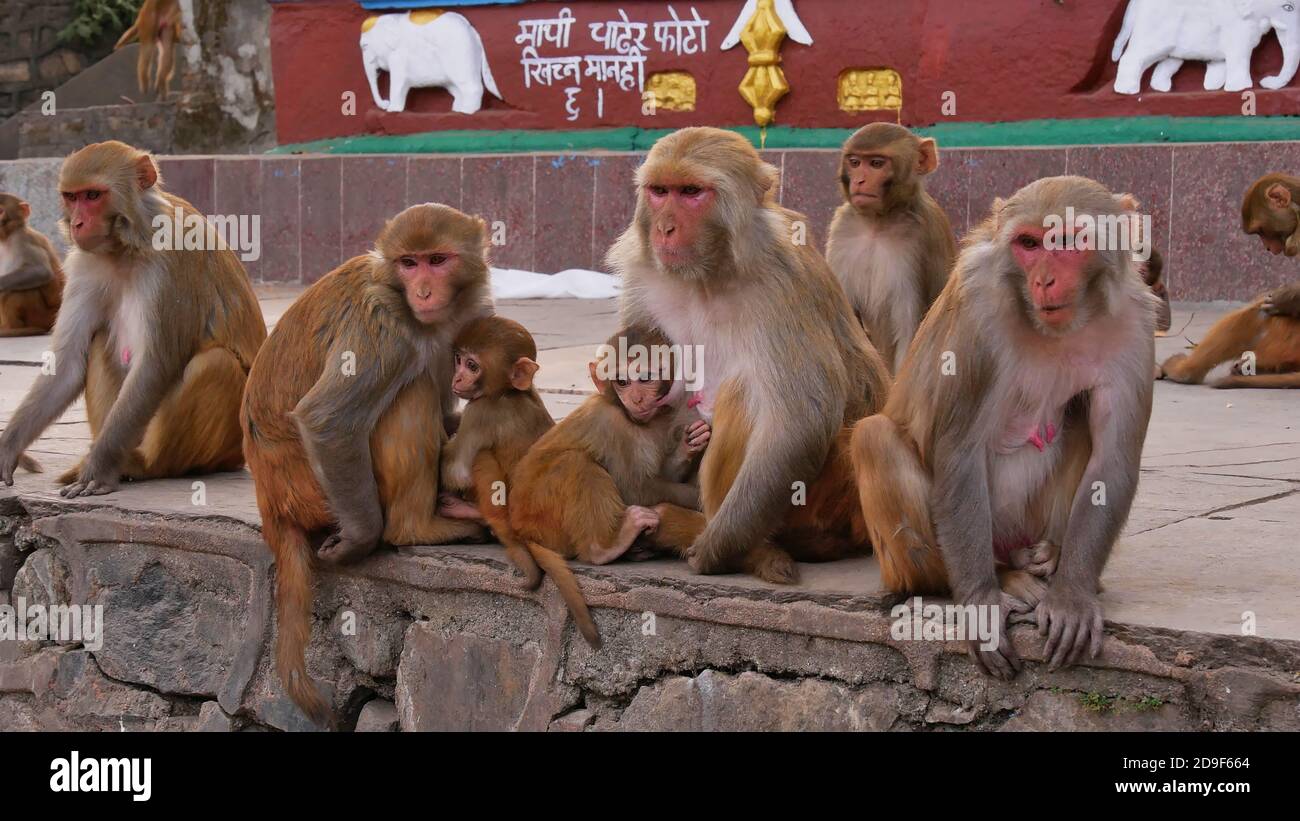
x: 890, y: 243
x: 1263, y: 338
x: 1013, y: 434
x: 1269, y: 327
x: 496, y: 360
x: 343, y: 416
x: 1269, y: 211
x: 159, y: 341
x: 157, y: 27
x: 609, y: 474
x: 709, y: 258
x: 31, y: 278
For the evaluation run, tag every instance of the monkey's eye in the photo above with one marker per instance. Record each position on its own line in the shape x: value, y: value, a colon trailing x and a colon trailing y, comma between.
x: 659, y: 190
x: 437, y: 259
x: 691, y: 190
x: 407, y: 262
x: 458, y: 360
x: 854, y: 162
x: 622, y: 383
x: 472, y: 365
x: 1029, y: 243
x: 878, y: 162
x: 69, y: 197
x: 92, y: 195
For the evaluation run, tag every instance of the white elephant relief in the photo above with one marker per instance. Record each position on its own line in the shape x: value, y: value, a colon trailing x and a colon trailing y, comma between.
x: 425, y: 48
x: 1222, y: 33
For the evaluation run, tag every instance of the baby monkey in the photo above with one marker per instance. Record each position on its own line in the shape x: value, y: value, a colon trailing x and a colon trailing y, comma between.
x: 614, y: 472
x: 496, y: 360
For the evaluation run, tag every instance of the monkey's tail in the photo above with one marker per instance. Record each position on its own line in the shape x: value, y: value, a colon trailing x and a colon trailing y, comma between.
x: 29, y: 464
x: 516, y: 550
x: 1125, y: 32
x: 128, y: 35
x: 293, y: 597
x: 520, y: 557
x: 558, y: 569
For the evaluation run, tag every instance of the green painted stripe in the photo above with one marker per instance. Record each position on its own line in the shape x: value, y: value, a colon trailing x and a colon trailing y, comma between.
x: 1099, y: 131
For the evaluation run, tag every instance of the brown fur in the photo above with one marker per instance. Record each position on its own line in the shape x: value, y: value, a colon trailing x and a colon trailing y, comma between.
x: 770, y: 315
x: 892, y: 255
x: 949, y: 485
x: 360, y: 450
x: 496, y: 429
x: 190, y: 329
x: 1264, y: 217
x: 1273, y: 338
x: 582, y: 487
x: 31, y: 310
x: 158, y: 28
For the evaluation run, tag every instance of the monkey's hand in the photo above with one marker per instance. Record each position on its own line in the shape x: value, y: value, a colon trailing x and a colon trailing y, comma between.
x: 1283, y: 302
x: 9, y: 456
x: 1070, y: 617
x: 95, y: 479
x: 697, y: 436
x: 1001, y: 662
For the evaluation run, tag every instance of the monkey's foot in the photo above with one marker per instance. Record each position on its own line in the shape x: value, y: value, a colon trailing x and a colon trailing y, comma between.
x: 337, y: 549
x: 1038, y: 559
x: 30, y: 465
x: 1174, y: 370
x: 452, y: 506
x: 772, y: 564
x: 636, y: 520
x: 1018, y: 611
x: 1021, y: 591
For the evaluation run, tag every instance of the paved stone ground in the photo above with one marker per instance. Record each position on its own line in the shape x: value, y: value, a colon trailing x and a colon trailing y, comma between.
x: 1212, y: 534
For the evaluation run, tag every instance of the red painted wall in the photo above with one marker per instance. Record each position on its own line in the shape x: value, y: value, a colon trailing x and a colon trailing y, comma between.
x: 1009, y: 60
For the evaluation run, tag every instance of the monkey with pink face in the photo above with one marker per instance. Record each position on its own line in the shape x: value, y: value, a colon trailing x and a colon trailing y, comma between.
x: 1005, y: 461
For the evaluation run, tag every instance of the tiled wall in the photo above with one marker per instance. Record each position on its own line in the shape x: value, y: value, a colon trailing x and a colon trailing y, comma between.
x: 563, y: 211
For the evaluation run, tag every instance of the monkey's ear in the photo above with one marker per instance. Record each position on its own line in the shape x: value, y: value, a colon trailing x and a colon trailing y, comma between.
x: 1279, y: 196
x: 146, y: 173
x: 485, y: 237
x: 25, y: 209
x: 1127, y: 202
x: 596, y: 380
x: 521, y: 375
x: 927, y: 158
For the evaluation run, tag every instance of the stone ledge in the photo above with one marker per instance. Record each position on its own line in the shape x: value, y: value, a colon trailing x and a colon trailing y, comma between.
x: 443, y: 638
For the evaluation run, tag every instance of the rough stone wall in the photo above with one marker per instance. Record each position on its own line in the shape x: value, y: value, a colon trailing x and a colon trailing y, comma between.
x: 31, y: 57
x: 443, y: 638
